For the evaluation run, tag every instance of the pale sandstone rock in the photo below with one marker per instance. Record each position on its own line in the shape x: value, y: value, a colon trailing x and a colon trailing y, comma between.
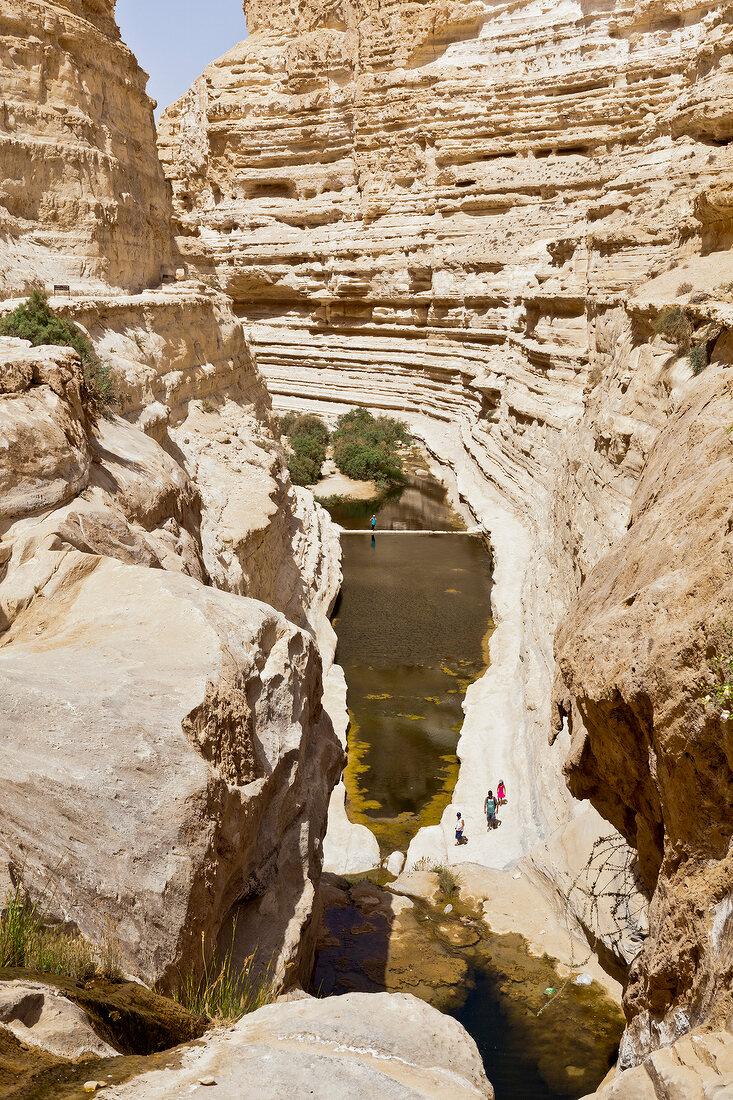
x: 395, y: 863
x: 43, y: 1017
x: 45, y: 455
x: 697, y: 1067
x: 95, y: 208
x: 175, y: 738
x: 371, y: 1045
x: 432, y: 233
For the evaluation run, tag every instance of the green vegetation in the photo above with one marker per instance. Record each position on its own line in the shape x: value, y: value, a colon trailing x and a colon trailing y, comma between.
x: 674, y: 323
x: 447, y: 881
x: 365, y: 446
x: 224, y: 992
x: 698, y: 358
x: 25, y: 942
x: 34, y: 321
x: 719, y: 694
x: 308, y: 438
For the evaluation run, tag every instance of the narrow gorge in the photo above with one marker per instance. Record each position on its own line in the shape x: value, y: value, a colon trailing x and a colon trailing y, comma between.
x: 510, y: 226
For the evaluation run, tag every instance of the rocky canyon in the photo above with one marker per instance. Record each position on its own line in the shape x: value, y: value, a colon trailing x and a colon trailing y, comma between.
x: 508, y: 224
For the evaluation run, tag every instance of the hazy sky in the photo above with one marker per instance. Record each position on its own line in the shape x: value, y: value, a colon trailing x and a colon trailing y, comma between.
x: 174, y: 40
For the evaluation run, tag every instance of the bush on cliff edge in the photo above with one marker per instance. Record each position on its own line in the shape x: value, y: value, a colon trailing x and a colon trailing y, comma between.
x: 308, y: 439
x: 33, y: 320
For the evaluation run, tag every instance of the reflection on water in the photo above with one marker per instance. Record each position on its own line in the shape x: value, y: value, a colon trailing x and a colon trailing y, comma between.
x: 420, y: 505
x: 411, y: 624
x: 533, y: 1047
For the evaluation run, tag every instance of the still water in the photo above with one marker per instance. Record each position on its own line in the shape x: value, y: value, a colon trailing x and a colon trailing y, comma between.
x: 413, y: 624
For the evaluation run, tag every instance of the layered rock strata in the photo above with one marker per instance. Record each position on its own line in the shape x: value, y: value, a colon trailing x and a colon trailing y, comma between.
x: 95, y: 208
x: 478, y: 217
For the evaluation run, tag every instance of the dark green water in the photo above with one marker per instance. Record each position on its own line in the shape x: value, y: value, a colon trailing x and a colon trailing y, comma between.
x: 412, y: 621
x: 420, y: 505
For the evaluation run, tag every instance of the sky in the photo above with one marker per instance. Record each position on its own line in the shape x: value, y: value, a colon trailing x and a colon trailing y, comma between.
x: 174, y: 40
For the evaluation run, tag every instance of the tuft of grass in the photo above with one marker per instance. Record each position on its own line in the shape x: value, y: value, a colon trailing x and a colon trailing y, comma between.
x: 698, y: 357
x: 208, y: 406
x: 25, y: 942
x: 684, y: 288
x: 675, y: 325
x: 33, y: 320
x: 224, y: 992
x: 365, y: 447
x: 447, y: 881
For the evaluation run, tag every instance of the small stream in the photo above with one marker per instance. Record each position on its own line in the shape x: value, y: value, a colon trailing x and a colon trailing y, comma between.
x: 413, y: 623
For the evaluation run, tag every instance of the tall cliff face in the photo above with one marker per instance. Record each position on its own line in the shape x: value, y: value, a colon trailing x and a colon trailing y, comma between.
x: 477, y: 216
x: 170, y: 723
x: 94, y: 208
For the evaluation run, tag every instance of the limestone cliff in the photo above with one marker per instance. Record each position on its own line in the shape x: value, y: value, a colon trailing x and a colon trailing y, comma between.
x: 94, y: 207
x: 477, y: 216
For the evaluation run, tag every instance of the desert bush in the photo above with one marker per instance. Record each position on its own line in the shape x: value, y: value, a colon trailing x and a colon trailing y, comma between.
x: 224, y: 992
x: 33, y: 320
x: 308, y: 438
x: 684, y: 288
x: 698, y: 358
x: 365, y: 446
x: 674, y: 324
x: 447, y: 881
x: 208, y: 406
x: 699, y: 296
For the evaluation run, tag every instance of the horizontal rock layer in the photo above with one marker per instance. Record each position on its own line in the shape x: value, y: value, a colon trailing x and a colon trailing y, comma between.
x: 95, y: 208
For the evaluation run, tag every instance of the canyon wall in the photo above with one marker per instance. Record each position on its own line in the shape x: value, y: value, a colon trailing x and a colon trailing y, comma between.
x: 164, y: 590
x: 95, y: 207
x: 480, y: 216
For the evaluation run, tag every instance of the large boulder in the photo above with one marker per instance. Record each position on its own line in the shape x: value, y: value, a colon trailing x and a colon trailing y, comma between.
x: 389, y: 1046
x: 165, y: 763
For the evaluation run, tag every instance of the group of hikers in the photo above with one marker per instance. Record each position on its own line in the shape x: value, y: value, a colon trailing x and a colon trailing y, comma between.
x: 492, y: 802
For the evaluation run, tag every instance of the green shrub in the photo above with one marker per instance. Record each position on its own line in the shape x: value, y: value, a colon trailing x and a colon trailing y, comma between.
x: 447, y: 881
x: 674, y: 323
x: 698, y: 358
x: 225, y: 992
x: 308, y: 438
x: 365, y: 446
x: 34, y: 321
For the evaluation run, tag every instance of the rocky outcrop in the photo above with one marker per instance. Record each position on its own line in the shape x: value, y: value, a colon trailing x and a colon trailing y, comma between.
x: 95, y: 209
x: 43, y: 1017
x: 631, y: 656
x: 367, y: 1044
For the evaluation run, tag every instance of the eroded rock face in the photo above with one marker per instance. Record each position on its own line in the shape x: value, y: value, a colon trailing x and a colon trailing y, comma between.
x: 631, y: 656
x: 367, y: 1044
x: 95, y: 209
x: 175, y: 738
